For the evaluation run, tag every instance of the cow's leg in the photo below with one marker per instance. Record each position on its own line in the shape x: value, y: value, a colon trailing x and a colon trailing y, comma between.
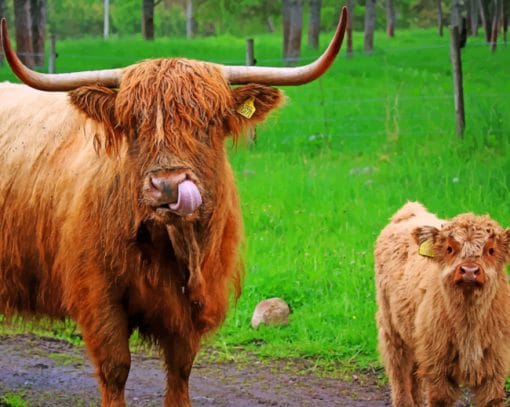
x: 490, y: 393
x: 105, y: 332
x: 399, y: 364
x: 179, y: 355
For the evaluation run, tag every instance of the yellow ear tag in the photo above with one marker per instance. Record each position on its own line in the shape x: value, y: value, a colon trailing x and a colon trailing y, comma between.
x: 247, y: 108
x: 427, y: 248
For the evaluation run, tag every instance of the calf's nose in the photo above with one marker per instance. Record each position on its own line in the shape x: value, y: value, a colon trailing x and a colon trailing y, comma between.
x: 470, y: 273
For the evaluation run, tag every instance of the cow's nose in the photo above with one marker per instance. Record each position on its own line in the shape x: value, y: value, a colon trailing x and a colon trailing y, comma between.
x: 172, y: 191
x: 164, y: 187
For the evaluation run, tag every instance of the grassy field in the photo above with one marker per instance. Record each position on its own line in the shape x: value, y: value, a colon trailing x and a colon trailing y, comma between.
x: 334, y: 164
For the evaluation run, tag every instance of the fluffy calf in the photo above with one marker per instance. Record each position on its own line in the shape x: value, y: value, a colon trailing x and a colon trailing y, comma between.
x: 443, y: 307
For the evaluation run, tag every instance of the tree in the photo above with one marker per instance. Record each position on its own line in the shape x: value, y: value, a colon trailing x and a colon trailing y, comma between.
x: 148, y: 18
x: 38, y: 17
x: 350, y: 14
x: 190, y: 20
x: 368, y: 39
x: 3, y: 13
x: 390, y: 18
x: 314, y: 23
x: 23, y: 24
x: 292, y: 15
x: 440, y: 17
x: 474, y: 15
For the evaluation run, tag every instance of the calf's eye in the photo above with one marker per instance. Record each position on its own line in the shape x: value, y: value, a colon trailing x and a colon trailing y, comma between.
x: 491, y: 251
x: 449, y: 250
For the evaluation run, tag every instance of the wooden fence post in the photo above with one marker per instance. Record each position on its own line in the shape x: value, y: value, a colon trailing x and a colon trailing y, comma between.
x: 457, y: 80
x: 250, y: 60
x: 52, y: 67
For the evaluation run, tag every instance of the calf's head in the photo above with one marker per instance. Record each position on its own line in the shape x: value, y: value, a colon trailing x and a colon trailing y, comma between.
x: 472, y: 252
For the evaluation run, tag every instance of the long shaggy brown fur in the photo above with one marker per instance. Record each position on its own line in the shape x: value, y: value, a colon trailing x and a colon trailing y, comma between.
x: 443, y: 316
x: 78, y: 238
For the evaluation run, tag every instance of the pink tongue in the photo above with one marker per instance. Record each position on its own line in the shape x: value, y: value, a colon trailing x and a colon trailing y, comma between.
x: 188, y: 200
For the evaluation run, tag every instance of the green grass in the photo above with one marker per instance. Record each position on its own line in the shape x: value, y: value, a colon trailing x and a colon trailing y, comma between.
x: 12, y: 400
x: 331, y: 167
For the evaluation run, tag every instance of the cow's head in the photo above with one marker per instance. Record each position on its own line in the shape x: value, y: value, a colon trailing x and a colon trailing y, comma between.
x: 173, y: 115
x: 471, y: 250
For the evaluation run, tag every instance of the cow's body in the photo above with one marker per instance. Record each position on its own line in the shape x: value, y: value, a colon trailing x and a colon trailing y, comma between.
x: 83, y: 233
x: 443, y: 316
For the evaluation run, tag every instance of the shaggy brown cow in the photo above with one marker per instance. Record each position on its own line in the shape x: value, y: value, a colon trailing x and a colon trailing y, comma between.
x: 444, y: 307
x: 118, y: 205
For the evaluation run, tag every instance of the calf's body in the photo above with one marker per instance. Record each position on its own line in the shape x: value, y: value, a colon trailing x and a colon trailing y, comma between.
x: 443, y: 307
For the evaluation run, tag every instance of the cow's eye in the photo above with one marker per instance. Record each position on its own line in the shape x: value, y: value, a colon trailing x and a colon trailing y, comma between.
x: 449, y: 250
x: 491, y: 251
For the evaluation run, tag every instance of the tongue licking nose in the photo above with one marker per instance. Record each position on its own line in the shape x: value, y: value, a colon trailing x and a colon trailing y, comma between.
x: 188, y: 198
x: 174, y: 192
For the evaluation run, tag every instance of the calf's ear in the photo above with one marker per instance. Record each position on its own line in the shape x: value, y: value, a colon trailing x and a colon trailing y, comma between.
x: 98, y: 103
x: 506, y: 242
x: 251, y: 104
x: 425, y: 237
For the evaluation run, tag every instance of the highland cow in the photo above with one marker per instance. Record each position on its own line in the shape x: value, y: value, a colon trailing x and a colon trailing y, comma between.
x: 118, y: 204
x: 443, y: 307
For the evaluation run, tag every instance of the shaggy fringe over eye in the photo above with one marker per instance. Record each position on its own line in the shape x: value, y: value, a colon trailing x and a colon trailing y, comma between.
x: 98, y: 103
x: 164, y: 98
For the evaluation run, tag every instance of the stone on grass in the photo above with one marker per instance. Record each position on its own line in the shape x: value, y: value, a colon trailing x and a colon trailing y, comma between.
x: 273, y: 311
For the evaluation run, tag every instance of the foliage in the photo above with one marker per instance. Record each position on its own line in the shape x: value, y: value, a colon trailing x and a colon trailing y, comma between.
x: 331, y: 167
x: 72, y: 18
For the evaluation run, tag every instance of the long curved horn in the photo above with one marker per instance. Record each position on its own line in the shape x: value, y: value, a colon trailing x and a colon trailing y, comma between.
x: 56, y: 82
x: 237, y: 75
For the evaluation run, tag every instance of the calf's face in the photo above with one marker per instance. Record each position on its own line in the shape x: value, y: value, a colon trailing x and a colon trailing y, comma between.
x: 472, y: 251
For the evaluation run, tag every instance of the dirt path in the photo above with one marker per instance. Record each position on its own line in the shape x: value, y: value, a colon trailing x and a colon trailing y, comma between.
x: 49, y: 372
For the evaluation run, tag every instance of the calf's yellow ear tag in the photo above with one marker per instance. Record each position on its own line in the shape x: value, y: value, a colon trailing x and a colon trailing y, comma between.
x: 247, y: 109
x: 426, y: 248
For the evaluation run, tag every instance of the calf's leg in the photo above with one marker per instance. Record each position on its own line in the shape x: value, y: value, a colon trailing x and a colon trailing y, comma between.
x: 400, y: 366
x: 179, y: 355
x: 491, y: 393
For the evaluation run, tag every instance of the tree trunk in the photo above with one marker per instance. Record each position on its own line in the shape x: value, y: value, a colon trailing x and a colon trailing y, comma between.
x: 3, y: 13
x: 38, y: 14
x: 368, y: 40
x: 506, y: 17
x: 292, y: 29
x: 23, y: 23
x: 190, y: 20
x: 474, y: 12
x: 390, y: 18
x: 286, y: 5
x: 148, y: 19
x: 314, y: 24
x: 497, y: 15
x: 440, y: 17
x: 350, y: 14
x: 486, y: 18
x: 106, y: 19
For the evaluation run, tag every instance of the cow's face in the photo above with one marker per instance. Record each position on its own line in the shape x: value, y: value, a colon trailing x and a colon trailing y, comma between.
x: 471, y: 250
x: 173, y: 116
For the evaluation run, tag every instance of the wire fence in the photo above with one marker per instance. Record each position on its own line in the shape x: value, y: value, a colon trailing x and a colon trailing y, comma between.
x: 378, y: 111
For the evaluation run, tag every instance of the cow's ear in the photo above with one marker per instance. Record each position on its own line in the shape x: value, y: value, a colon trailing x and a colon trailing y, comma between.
x: 425, y: 237
x: 98, y: 103
x: 251, y: 104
